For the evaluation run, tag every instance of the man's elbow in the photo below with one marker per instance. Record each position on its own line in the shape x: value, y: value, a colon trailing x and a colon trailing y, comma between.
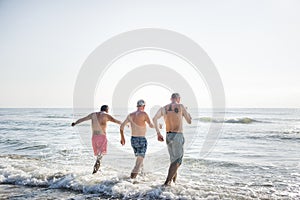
x: 154, y: 120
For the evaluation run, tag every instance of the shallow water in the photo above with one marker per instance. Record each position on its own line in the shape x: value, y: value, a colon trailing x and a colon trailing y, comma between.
x: 255, y: 157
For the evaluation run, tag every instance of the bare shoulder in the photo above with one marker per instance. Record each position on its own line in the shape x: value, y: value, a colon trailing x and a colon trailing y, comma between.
x: 182, y: 106
x: 107, y: 116
x: 93, y: 114
x: 101, y: 115
x: 131, y: 114
x: 145, y: 114
x: 165, y: 106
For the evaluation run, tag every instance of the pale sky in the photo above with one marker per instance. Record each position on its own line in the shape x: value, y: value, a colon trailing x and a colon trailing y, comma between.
x: 255, y: 45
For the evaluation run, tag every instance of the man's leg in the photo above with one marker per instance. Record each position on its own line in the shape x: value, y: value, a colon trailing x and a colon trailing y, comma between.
x: 172, y: 174
x: 174, y: 177
x: 138, y: 165
x: 98, y: 163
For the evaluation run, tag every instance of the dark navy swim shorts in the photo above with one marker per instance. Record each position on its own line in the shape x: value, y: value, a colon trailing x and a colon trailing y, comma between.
x: 139, y: 145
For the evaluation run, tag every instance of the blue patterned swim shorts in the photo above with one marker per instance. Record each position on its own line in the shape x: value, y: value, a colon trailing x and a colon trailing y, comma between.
x: 139, y: 145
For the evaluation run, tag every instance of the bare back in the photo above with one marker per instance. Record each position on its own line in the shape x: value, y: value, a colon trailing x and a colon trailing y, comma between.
x: 173, y: 117
x: 99, y: 122
x: 138, y: 122
x: 173, y: 114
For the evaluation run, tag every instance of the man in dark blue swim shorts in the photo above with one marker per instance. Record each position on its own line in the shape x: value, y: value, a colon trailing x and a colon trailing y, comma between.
x: 137, y: 120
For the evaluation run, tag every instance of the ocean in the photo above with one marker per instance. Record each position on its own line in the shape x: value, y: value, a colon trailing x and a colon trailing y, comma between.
x: 256, y: 156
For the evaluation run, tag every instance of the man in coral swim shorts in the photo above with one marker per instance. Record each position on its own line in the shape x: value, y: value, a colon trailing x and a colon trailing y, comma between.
x: 99, y: 140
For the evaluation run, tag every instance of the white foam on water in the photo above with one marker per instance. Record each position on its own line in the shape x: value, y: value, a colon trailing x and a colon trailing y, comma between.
x: 196, y: 180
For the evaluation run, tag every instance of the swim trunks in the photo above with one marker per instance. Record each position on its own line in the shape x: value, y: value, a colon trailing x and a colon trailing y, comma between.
x: 175, y: 142
x: 99, y: 143
x: 139, y: 145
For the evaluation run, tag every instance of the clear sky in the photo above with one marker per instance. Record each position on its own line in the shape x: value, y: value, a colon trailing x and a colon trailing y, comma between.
x: 254, y: 44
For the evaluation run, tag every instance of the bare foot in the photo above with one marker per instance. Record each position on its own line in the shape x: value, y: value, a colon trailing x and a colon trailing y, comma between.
x: 133, y: 175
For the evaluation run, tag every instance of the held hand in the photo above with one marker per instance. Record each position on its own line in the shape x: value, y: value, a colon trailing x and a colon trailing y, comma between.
x: 160, y: 137
x: 73, y: 124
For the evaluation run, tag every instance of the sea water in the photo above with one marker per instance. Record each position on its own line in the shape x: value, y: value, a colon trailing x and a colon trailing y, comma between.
x: 256, y: 156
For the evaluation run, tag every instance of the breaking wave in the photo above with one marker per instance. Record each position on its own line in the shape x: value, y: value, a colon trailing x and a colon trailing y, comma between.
x: 244, y: 120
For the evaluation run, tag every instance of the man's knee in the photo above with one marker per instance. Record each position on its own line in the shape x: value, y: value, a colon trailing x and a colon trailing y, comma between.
x: 178, y: 161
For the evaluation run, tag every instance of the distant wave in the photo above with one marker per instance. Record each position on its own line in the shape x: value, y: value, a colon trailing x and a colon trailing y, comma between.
x: 244, y: 120
x: 57, y: 117
x: 292, y: 132
x: 32, y: 147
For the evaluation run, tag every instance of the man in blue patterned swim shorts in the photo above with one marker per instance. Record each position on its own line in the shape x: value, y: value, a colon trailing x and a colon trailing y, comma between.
x: 137, y: 120
x: 173, y: 114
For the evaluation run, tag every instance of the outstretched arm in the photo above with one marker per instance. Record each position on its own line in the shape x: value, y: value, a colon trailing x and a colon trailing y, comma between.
x: 122, y: 130
x: 110, y: 118
x: 155, y: 118
x: 82, y: 119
